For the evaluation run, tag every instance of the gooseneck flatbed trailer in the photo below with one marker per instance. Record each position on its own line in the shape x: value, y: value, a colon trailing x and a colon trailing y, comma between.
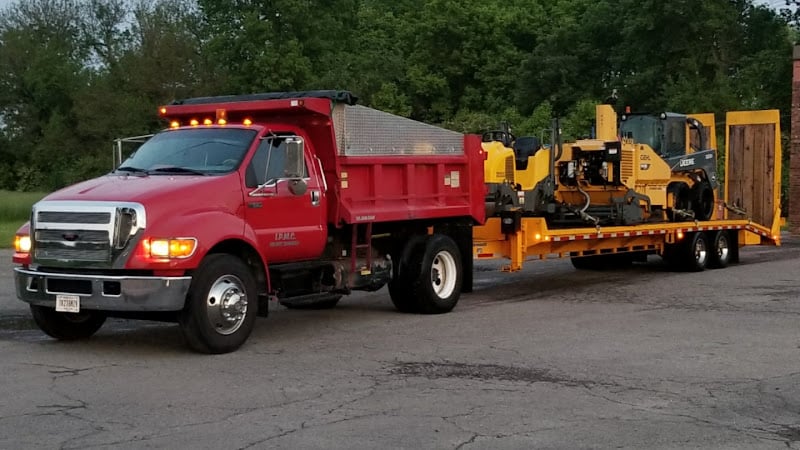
x: 748, y: 214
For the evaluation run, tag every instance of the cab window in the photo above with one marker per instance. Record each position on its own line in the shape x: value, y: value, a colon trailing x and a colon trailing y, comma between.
x: 269, y: 163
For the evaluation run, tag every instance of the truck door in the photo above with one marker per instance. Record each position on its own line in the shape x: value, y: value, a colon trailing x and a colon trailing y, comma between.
x: 289, y: 227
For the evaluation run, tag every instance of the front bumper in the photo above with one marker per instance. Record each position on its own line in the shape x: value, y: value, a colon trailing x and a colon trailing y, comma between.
x: 101, y: 292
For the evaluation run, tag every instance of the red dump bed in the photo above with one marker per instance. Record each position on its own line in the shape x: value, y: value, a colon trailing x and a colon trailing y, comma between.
x: 387, y: 188
x: 378, y: 167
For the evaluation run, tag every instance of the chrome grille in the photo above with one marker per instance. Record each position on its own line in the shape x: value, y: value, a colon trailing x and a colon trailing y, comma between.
x: 80, y: 235
x: 73, y: 254
x: 70, y: 232
x: 73, y: 217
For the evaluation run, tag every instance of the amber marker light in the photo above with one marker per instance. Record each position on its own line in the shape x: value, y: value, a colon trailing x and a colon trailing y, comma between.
x: 222, y: 121
x: 174, y: 124
x: 162, y: 110
x: 680, y: 234
x: 247, y: 122
x: 207, y: 121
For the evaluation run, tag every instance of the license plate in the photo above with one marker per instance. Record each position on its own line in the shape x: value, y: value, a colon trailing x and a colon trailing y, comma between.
x: 68, y: 303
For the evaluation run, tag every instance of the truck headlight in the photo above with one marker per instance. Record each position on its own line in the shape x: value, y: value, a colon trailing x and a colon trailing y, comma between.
x: 167, y: 248
x: 22, y: 243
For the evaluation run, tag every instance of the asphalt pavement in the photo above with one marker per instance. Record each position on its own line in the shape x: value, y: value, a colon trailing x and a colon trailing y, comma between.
x: 548, y: 357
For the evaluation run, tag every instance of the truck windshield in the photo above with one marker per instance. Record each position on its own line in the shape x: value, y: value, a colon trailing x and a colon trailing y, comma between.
x: 192, y: 152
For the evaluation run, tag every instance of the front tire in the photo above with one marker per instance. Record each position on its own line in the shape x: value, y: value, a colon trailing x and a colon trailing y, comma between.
x: 221, y: 305
x: 67, y: 326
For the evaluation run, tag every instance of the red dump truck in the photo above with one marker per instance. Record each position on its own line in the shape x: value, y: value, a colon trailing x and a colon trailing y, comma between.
x: 300, y: 197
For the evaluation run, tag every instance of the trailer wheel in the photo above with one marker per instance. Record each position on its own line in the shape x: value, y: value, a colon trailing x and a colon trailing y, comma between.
x: 402, y: 278
x: 221, y: 306
x: 67, y: 326
x: 720, y: 250
x: 695, y: 252
x: 437, y: 277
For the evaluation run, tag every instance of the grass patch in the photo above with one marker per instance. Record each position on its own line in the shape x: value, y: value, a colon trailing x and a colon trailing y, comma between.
x: 15, y: 209
x: 7, y: 230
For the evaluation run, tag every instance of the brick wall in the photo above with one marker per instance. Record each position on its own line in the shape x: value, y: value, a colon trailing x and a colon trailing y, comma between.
x: 794, y: 164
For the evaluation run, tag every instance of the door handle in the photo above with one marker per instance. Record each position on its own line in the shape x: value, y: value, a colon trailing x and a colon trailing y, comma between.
x: 316, y: 196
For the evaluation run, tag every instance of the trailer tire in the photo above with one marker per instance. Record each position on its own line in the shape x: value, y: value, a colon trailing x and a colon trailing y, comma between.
x: 437, y: 276
x: 221, y: 305
x: 695, y: 254
x: 67, y: 326
x: 400, y: 284
x: 720, y: 250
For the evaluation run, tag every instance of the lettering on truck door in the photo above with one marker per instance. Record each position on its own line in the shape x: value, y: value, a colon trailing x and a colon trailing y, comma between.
x: 289, y: 227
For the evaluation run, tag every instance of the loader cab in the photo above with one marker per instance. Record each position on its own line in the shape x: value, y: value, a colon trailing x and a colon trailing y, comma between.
x: 666, y: 133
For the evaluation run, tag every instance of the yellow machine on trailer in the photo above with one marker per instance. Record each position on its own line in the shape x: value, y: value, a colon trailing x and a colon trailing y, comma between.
x: 610, y: 200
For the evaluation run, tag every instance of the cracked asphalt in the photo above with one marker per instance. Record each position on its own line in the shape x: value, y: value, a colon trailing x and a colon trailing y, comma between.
x: 548, y: 357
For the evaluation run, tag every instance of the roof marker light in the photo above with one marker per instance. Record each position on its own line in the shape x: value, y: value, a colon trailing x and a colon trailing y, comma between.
x: 247, y: 122
x: 174, y: 124
x: 207, y: 122
x: 194, y: 122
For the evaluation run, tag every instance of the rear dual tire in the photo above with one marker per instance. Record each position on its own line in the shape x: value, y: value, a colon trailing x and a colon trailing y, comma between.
x: 428, y: 277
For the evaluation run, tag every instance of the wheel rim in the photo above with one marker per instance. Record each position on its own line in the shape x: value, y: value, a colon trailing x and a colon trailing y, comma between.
x: 443, y: 274
x: 722, y: 248
x: 226, y: 304
x: 700, y: 253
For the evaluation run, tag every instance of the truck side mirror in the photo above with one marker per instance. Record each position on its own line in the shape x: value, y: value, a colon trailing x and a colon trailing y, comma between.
x: 296, y: 165
x: 295, y: 160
